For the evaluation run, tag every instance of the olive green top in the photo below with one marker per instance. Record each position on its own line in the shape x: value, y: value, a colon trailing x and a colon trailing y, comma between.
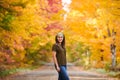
x: 60, y: 54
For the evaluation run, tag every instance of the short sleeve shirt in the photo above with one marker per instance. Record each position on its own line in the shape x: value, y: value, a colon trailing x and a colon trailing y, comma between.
x: 60, y: 54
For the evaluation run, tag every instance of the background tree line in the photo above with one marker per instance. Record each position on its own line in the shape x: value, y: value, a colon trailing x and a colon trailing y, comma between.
x: 28, y: 28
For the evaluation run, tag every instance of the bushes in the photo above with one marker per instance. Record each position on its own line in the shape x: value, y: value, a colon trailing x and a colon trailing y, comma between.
x: 6, y: 70
x: 2, y: 70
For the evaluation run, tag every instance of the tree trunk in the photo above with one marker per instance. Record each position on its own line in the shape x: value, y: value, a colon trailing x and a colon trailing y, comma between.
x: 113, y: 51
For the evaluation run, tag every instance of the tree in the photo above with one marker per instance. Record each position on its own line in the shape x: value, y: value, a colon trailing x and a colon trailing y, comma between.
x: 91, y: 23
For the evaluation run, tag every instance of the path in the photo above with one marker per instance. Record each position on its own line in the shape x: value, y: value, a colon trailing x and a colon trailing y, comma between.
x: 47, y: 72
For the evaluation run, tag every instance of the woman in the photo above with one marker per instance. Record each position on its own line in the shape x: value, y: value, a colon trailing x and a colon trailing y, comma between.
x: 59, y: 56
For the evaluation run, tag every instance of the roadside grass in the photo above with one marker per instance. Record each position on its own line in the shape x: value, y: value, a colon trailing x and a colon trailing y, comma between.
x: 7, y: 72
x: 115, y: 74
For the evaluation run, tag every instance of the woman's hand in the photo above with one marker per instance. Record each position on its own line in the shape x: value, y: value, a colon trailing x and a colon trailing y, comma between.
x: 58, y: 69
x: 55, y: 61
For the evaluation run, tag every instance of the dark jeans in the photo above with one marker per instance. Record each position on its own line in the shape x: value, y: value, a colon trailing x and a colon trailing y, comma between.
x: 63, y: 73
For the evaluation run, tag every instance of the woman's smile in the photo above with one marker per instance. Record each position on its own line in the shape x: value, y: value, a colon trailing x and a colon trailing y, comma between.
x: 60, y: 39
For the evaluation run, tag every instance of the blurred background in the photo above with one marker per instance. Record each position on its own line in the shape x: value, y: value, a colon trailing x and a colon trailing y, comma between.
x: 28, y: 29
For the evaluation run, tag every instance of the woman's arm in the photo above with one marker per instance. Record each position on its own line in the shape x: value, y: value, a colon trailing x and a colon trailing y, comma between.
x: 55, y: 61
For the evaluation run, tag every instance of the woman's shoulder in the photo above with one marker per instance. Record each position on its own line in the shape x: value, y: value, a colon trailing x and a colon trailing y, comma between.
x: 54, y: 47
x: 55, y: 44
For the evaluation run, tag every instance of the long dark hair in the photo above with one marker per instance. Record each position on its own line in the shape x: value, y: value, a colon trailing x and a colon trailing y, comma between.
x: 63, y: 42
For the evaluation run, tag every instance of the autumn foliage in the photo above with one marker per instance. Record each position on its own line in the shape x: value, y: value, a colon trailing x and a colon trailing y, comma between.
x: 28, y: 28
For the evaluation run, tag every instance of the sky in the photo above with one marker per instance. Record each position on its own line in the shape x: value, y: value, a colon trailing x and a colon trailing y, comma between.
x: 66, y: 4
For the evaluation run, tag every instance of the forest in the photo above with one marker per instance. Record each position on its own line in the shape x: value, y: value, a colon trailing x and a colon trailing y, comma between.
x: 28, y: 29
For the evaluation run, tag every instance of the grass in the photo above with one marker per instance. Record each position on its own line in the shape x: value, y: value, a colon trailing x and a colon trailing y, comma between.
x: 7, y: 72
x: 109, y: 73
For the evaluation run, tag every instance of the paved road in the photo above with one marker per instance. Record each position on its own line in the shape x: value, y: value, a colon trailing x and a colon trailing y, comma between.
x: 47, y: 72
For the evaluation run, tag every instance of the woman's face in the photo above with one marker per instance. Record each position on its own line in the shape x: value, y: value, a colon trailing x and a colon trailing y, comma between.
x: 60, y: 39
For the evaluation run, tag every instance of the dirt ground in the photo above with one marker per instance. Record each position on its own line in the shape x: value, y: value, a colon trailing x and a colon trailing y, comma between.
x: 47, y: 72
